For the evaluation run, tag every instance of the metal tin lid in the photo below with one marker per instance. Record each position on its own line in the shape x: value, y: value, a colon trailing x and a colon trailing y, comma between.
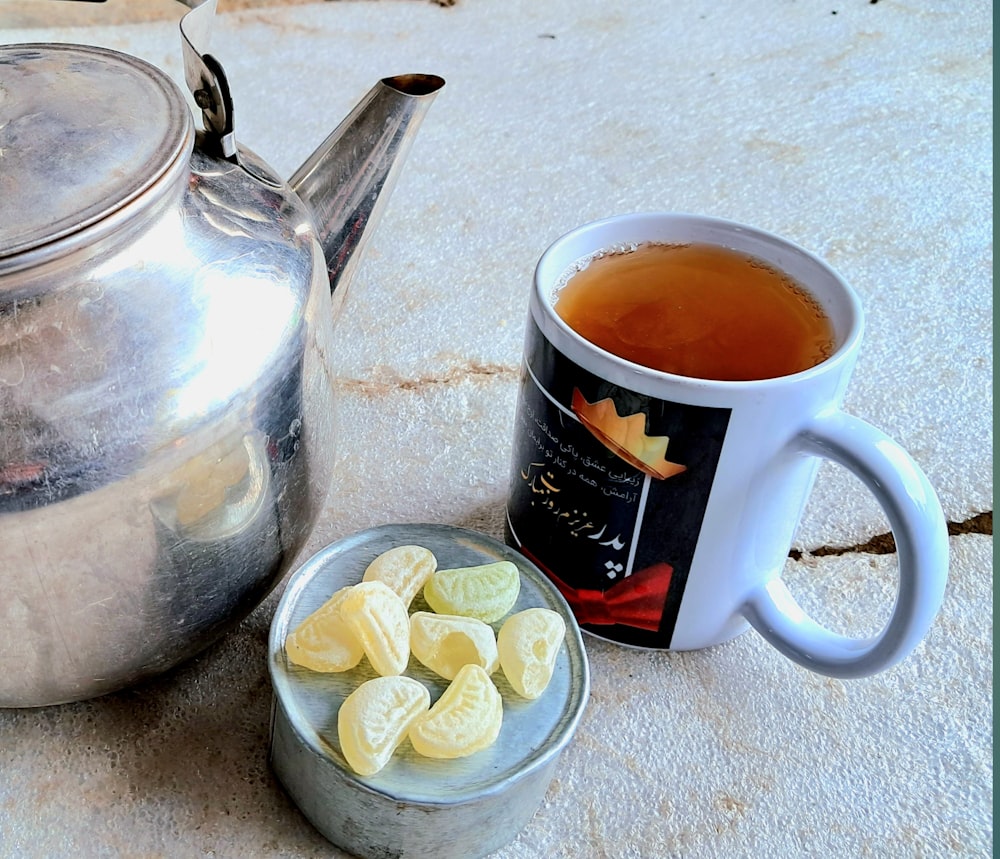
x: 417, y: 806
x: 83, y: 131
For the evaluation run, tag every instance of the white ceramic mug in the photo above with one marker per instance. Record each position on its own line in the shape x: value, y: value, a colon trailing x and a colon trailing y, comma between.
x: 688, y: 562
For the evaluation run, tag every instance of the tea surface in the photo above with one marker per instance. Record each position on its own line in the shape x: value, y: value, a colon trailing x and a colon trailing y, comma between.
x: 697, y: 310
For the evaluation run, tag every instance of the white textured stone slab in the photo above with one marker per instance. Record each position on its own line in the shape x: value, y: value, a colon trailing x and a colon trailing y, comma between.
x: 863, y: 135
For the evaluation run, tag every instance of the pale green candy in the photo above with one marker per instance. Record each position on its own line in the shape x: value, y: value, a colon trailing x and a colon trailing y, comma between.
x: 486, y: 592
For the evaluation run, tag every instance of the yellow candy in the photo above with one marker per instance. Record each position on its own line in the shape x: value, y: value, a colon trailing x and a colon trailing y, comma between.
x: 377, y: 616
x: 528, y: 643
x: 323, y: 642
x: 405, y: 569
x: 486, y: 592
x: 375, y: 718
x: 464, y: 720
x: 446, y: 642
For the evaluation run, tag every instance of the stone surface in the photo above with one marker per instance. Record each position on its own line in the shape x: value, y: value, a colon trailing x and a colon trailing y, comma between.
x: 860, y: 130
x: 81, y: 13
x: 727, y: 752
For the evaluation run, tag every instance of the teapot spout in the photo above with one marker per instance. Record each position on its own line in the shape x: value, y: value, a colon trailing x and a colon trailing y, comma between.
x: 346, y: 182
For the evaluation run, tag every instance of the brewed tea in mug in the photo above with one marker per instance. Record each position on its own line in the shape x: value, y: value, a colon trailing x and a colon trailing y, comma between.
x: 697, y: 310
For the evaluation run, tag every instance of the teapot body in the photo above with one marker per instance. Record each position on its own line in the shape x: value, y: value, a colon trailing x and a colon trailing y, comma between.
x: 166, y: 426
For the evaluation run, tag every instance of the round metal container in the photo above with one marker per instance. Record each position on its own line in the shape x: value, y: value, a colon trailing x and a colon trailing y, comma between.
x: 417, y: 806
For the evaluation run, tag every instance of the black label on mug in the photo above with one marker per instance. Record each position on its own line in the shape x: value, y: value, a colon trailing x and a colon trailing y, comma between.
x: 608, y: 492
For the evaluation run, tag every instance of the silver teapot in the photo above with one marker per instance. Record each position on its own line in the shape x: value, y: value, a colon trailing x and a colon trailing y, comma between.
x: 166, y: 321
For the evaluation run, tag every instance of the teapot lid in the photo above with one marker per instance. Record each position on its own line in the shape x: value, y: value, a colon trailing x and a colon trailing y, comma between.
x: 83, y: 132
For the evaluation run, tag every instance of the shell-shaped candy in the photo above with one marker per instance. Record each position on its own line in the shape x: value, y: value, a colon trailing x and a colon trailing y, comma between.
x: 486, y: 592
x: 464, y: 720
x: 378, y: 617
x: 446, y: 642
x: 405, y: 569
x: 375, y: 718
x: 528, y: 644
x: 323, y: 642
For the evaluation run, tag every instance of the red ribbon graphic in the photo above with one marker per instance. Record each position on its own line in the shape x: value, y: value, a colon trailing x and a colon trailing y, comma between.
x: 634, y: 601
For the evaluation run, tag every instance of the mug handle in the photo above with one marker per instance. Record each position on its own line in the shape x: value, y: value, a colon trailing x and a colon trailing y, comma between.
x: 921, y: 536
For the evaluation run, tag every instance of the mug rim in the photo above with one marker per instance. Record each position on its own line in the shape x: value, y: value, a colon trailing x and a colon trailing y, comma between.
x: 542, y: 294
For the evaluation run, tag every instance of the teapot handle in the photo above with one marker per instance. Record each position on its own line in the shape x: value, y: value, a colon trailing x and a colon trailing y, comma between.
x: 205, y: 77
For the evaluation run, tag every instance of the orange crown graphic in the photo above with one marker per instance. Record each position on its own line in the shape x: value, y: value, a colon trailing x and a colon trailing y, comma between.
x: 626, y: 436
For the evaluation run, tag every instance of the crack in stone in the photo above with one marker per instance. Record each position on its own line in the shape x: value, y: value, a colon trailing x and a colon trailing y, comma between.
x: 884, y: 544
x: 383, y: 380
